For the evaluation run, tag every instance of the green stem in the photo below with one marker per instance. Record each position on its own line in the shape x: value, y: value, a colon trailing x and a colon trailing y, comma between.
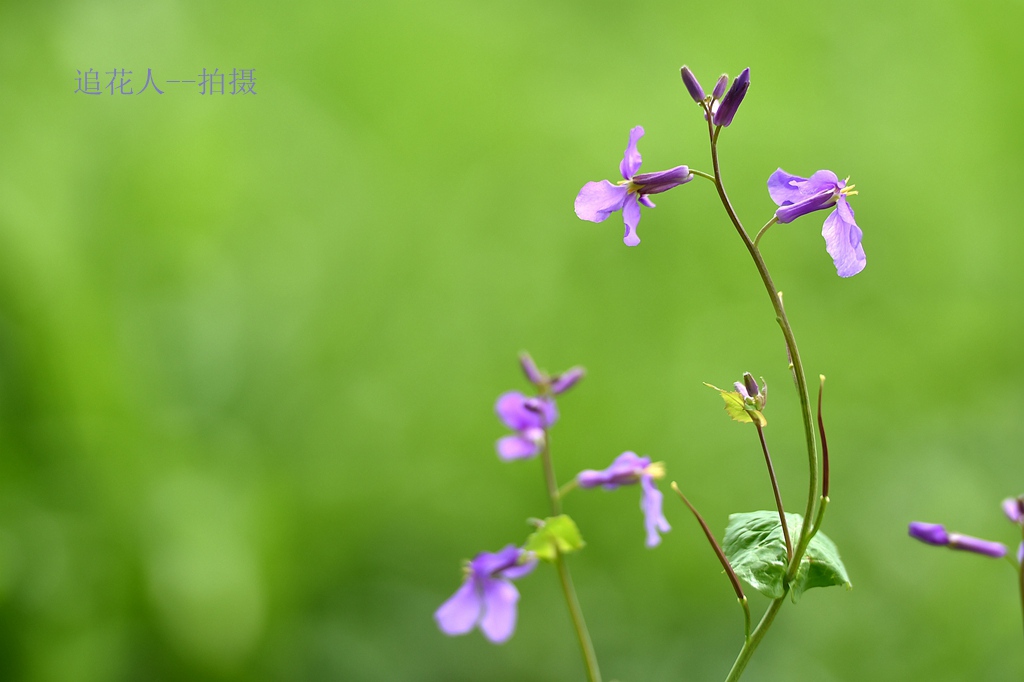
x: 794, y: 354
x: 760, y: 233
x: 575, y: 612
x: 567, y: 488
x: 755, y: 638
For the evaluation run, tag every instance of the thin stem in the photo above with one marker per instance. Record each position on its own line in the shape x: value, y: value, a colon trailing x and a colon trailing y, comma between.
x: 1020, y: 580
x: 794, y: 355
x: 575, y: 612
x: 721, y: 558
x: 760, y: 233
x: 775, y: 489
x: 586, y: 646
x: 824, y: 442
x: 702, y: 174
x: 567, y: 488
x: 750, y: 645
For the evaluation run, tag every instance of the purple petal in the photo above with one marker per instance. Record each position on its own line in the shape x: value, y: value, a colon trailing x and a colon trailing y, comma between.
x: 654, y: 519
x: 842, y: 240
x: 625, y: 470
x: 533, y: 374
x: 977, y: 545
x: 544, y: 409
x: 787, y: 213
x: 662, y: 181
x: 733, y: 98
x: 567, y: 380
x: 516, y: 447
x: 719, y: 90
x: 1014, y: 509
x: 631, y: 217
x: 785, y: 188
x: 511, y: 409
x: 597, y: 200
x: 631, y: 159
x: 499, y: 621
x: 487, y: 564
x: 932, y: 533
x: 459, y: 614
x: 1020, y: 554
x: 519, y: 570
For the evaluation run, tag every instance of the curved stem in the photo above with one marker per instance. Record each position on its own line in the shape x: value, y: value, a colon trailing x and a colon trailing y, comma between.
x: 737, y: 588
x: 567, y: 488
x: 755, y: 638
x: 575, y: 612
x: 760, y: 233
x: 794, y: 354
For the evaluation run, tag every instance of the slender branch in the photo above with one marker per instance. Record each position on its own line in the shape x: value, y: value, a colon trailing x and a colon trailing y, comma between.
x: 575, y: 612
x: 794, y: 354
x: 750, y: 645
x: 824, y: 442
x: 760, y: 233
x: 702, y: 174
x: 567, y: 488
x: 721, y: 558
x: 775, y: 489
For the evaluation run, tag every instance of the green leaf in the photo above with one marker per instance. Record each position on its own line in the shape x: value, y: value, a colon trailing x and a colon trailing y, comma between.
x: 555, y: 533
x: 756, y: 548
x: 738, y: 409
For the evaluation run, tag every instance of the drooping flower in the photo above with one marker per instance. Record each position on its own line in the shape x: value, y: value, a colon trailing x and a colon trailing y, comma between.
x: 935, y: 534
x: 597, y: 200
x: 487, y: 597
x: 797, y: 196
x: 528, y: 417
x: 627, y: 469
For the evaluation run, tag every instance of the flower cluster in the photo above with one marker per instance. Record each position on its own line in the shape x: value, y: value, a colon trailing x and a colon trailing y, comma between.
x: 794, y: 195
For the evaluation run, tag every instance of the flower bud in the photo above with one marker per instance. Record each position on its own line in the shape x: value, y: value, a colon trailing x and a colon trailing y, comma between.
x: 692, y: 86
x: 732, y: 100
x: 966, y: 543
x: 533, y: 374
x: 566, y: 380
x: 1014, y: 509
x: 751, y: 385
x: 931, y: 533
x: 723, y: 81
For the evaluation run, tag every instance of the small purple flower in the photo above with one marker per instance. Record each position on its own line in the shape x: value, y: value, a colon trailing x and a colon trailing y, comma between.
x: 487, y: 598
x: 627, y: 469
x: 529, y: 417
x: 797, y: 196
x: 935, y: 534
x: 597, y: 200
x: 731, y: 102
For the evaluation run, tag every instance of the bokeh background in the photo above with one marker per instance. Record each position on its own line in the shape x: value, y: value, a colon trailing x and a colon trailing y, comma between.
x: 250, y: 345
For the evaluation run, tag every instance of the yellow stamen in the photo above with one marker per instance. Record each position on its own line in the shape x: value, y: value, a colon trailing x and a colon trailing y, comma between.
x: 655, y: 470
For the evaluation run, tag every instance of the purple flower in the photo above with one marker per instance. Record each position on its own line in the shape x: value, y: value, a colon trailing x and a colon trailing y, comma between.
x: 487, y: 598
x: 692, y: 84
x: 597, y: 200
x: 797, y: 196
x: 731, y: 102
x: 935, y: 534
x: 529, y: 417
x: 627, y: 469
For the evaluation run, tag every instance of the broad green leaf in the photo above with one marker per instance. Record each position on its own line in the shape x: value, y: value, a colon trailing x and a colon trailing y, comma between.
x: 737, y: 409
x: 555, y: 532
x: 756, y: 548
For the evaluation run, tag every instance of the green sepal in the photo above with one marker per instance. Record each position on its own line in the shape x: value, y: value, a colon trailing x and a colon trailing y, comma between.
x: 556, y: 535
x: 756, y: 549
x: 738, y: 409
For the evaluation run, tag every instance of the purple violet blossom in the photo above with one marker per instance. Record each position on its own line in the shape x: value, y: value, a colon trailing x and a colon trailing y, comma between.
x: 597, y: 200
x: 529, y: 417
x: 629, y: 468
x: 487, y: 598
x: 797, y: 196
x: 935, y: 534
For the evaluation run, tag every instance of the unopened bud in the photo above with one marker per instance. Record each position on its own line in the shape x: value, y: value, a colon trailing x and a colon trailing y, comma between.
x: 692, y: 85
x: 732, y: 100
x: 723, y: 81
x: 533, y: 374
x: 567, y: 379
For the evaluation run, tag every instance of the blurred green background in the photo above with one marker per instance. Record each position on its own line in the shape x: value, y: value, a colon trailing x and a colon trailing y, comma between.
x: 250, y: 345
